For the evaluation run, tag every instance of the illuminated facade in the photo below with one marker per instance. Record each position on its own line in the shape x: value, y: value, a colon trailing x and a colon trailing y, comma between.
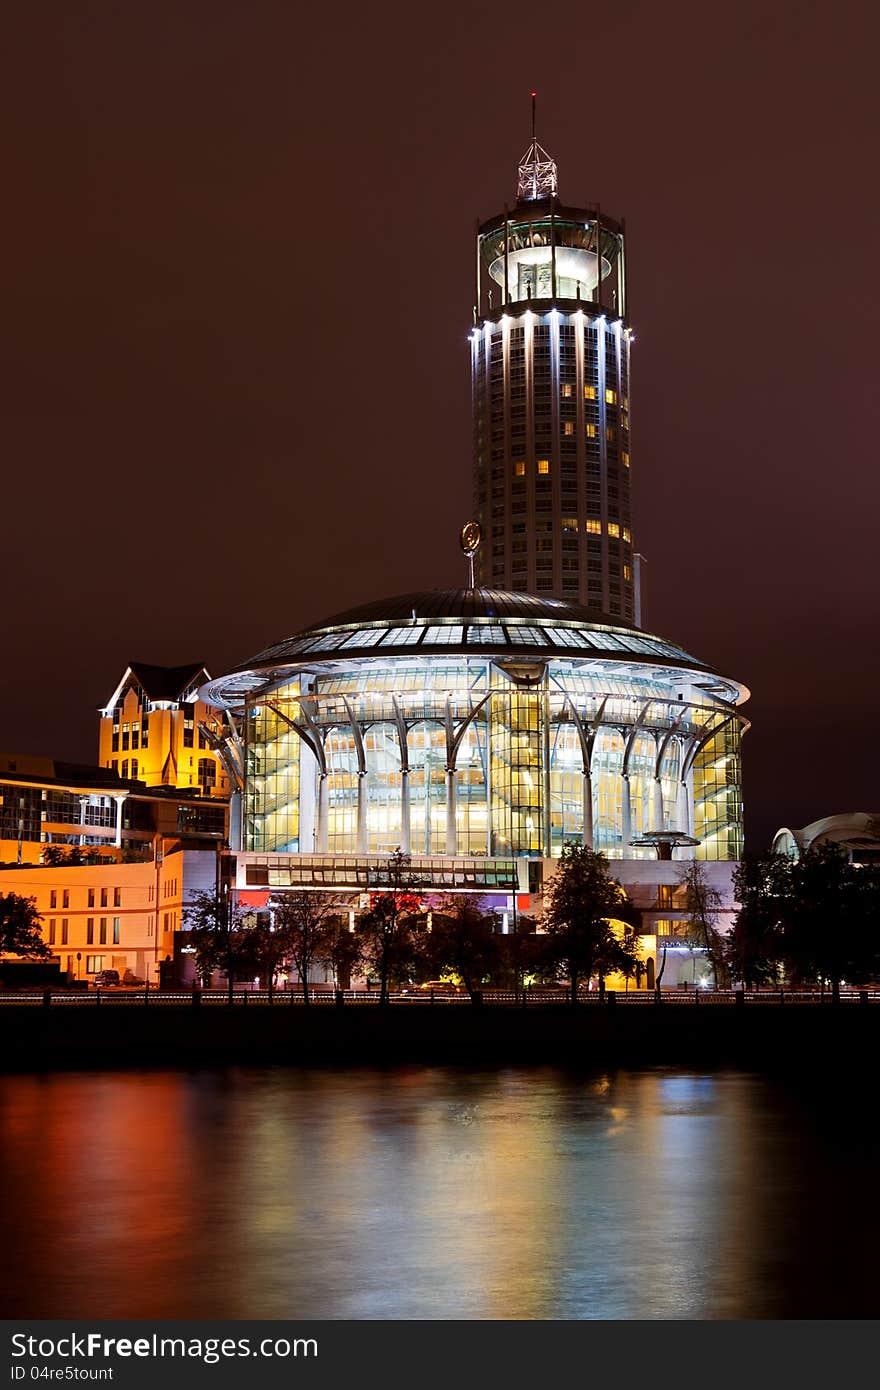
x: 47, y: 802
x: 154, y: 729
x: 479, y: 723
x: 109, y: 916
x: 550, y: 373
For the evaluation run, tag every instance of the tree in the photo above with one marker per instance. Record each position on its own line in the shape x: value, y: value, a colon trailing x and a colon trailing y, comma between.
x: 830, y: 927
x: 464, y: 940
x: 702, y: 903
x: 304, y: 927
x: 218, y: 935
x: 54, y: 856
x: 755, y: 948
x: 391, y: 927
x: 344, y: 954
x: 20, y: 927
x: 581, y: 904
x: 521, y: 953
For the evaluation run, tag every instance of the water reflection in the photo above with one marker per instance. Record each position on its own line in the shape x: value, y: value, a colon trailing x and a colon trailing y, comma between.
x: 432, y: 1193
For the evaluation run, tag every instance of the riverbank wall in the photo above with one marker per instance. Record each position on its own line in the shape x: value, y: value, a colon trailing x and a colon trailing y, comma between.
x: 763, y: 1037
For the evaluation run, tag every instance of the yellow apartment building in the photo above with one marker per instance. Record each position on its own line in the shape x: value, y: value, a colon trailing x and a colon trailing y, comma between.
x: 154, y: 729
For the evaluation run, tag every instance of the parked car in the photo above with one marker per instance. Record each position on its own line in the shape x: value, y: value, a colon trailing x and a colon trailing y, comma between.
x: 105, y: 978
x: 440, y: 987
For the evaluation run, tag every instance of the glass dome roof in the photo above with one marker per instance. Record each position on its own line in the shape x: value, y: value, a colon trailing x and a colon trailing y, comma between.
x: 494, y: 623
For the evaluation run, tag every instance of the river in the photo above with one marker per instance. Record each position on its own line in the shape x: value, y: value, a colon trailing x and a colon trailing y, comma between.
x: 426, y: 1192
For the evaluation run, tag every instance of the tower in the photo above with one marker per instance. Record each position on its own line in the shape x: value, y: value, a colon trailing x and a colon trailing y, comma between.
x: 550, y: 365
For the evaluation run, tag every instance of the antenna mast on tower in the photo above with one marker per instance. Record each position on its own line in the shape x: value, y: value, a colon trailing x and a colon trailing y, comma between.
x: 536, y: 174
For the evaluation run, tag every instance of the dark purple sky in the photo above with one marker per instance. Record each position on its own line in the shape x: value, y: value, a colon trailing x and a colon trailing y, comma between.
x: 237, y: 283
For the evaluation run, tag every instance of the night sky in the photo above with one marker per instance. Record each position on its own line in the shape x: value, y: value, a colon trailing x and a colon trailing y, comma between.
x: 237, y: 280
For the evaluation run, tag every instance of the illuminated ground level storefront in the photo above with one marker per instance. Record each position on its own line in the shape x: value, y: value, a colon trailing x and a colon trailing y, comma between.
x: 481, y: 729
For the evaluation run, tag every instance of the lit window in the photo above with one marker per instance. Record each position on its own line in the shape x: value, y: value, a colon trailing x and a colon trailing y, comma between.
x: 567, y: 390
x: 570, y: 523
x: 627, y: 572
x: 614, y: 529
x: 591, y: 431
x: 568, y: 427
x: 589, y: 393
x: 610, y: 396
x: 625, y: 457
x: 519, y: 470
x: 627, y: 533
x: 610, y: 433
x: 543, y: 465
x: 594, y: 528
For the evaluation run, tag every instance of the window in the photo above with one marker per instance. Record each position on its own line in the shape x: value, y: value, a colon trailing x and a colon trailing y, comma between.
x: 103, y: 897
x: 63, y: 931
x: 569, y: 523
x: 543, y: 466
x: 208, y: 773
x: 610, y: 396
x: 52, y: 931
x: 125, y: 737
x: 625, y: 458
x: 125, y: 767
x: 591, y: 432
x: 614, y: 529
x: 664, y: 895
x: 94, y: 964
x: 134, y: 768
x: 627, y: 534
x: 627, y: 572
x: 594, y: 528
x: 117, y: 897
x: 65, y: 898
x: 91, y: 897
x: 90, y: 931
x: 568, y: 428
x: 519, y: 469
x: 589, y: 393
x: 53, y: 898
x: 567, y: 390
x: 116, y: 923
x: 102, y: 931
x: 135, y: 736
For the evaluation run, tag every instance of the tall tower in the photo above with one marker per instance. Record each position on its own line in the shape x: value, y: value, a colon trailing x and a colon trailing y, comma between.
x: 550, y: 358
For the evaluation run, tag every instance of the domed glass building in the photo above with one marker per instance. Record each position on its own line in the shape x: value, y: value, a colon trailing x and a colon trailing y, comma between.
x: 474, y: 722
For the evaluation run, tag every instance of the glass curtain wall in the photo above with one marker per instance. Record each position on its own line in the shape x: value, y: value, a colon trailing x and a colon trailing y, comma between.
x: 509, y: 755
x: 273, y: 773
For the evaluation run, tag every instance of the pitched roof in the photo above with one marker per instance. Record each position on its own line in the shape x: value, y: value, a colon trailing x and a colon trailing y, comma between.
x: 166, y: 682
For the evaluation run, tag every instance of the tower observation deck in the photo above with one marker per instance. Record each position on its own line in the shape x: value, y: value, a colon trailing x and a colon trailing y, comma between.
x: 550, y: 367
